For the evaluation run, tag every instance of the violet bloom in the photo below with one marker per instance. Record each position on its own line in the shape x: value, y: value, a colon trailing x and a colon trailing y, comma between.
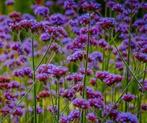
x: 93, y: 81
x: 91, y: 117
x: 81, y: 103
x: 97, y: 103
x: 96, y: 56
x: 76, y: 77
x: 76, y: 56
x: 64, y: 119
x: 39, y: 110
x: 144, y: 107
x: 108, y: 78
x: 49, y: 3
x: 91, y: 93
x: 57, y: 19
x: 106, y: 23
x: 124, y: 117
x: 18, y: 111
x: 88, y: 71
x: 111, y: 111
x: 43, y: 94
x: 59, y: 71
x: 45, y: 37
x: 70, y: 4
x: 52, y: 109
x: 28, y: 17
x: 42, y: 77
x: 90, y: 6
x: 68, y: 93
x: 14, y: 84
x: 74, y: 114
x: 70, y: 12
x: 128, y: 97
x: 141, y: 56
x: 109, y: 121
x: 9, y: 2
x: 41, y: 11
x: 84, y: 19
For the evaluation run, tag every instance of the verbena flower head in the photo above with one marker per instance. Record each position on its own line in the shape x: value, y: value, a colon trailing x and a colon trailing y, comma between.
x: 57, y: 19
x: 64, y: 119
x: 81, y: 103
x: 126, y: 117
x: 128, y: 97
x: 9, y: 2
x: 45, y: 37
x: 74, y: 114
x: 91, y: 117
x: 41, y: 11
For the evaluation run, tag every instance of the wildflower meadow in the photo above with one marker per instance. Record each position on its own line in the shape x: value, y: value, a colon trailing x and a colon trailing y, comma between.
x: 73, y: 61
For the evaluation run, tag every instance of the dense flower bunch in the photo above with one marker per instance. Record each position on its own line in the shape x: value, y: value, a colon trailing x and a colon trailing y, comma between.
x: 74, y: 61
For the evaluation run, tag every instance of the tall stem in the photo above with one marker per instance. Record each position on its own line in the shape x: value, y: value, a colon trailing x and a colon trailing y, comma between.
x: 140, y: 97
x: 58, y: 100
x: 34, y: 87
x: 128, y: 62
x: 85, y: 76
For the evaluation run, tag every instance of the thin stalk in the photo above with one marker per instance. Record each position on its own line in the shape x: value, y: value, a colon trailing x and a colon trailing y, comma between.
x: 103, y: 64
x: 28, y: 90
x: 58, y: 101
x: 128, y: 72
x: 127, y: 65
x: 128, y: 84
x: 140, y: 97
x: 44, y: 55
x: 34, y: 88
x: 85, y: 76
x: 86, y: 67
x: 119, y: 99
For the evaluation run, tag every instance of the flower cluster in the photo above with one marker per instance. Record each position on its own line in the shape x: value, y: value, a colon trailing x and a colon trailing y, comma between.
x: 73, y: 61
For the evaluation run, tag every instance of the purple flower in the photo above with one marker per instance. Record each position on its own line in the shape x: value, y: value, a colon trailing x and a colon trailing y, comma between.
x: 68, y: 93
x: 76, y: 56
x: 70, y: 12
x: 42, y: 77
x: 70, y: 4
x: 91, y: 117
x: 108, y: 78
x: 74, y: 114
x: 52, y: 109
x: 43, y: 94
x: 96, y: 56
x: 41, y: 11
x: 128, y: 97
x: 64, y: 119
x: 39, y: 110
x: 84, y: 19
x: 45, y: 37
x: 126, y: 117
x: 144, y: 107
x: 81, y: 103
x: 76, y: 77
x: 90, y: 6
x: 9, y: 2
x: 57, y: 19
x: 49, y: 3
x: 97, y: 103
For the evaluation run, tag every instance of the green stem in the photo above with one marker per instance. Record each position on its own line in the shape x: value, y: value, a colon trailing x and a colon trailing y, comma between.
x: 41, y: 61
x: 127, y: 65
x: 34, y: 88
x: 58, y: 100
x: 85, y: 76
x: 140, y: 97
x: 128, y: 72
